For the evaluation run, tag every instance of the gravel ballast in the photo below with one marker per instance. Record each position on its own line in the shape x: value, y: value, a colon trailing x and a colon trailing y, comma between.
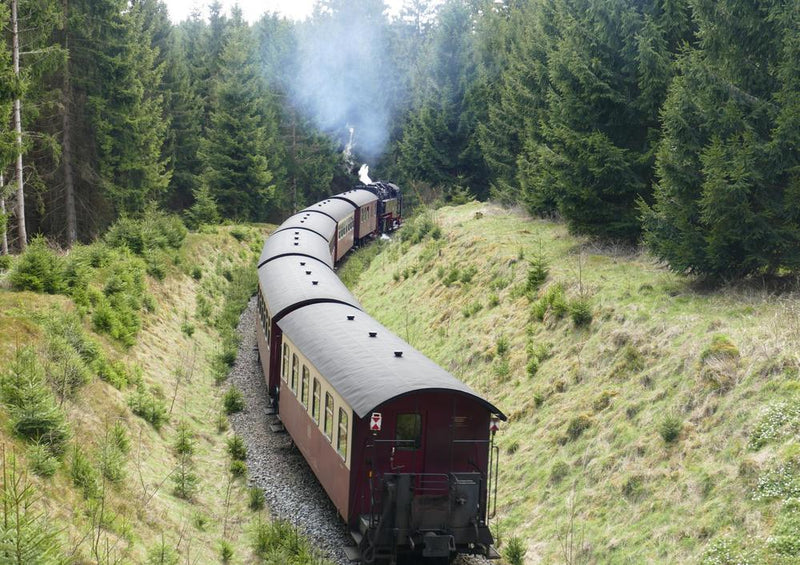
x: 275, y: 465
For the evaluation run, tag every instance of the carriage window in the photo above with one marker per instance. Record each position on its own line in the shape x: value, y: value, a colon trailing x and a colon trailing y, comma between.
x: 408, y: 431
x: 328, y: 428
x: 295, y: 363
x: 341, y: 441
x: 315, y: 401
x: 304, y: 387
x: 269, y: 332
x: 285, y: 371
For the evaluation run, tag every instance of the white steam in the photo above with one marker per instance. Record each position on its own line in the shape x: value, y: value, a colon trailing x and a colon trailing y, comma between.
x: 363, y: 174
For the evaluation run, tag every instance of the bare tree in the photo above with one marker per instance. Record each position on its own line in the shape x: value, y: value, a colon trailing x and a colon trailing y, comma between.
x: 23, y: 234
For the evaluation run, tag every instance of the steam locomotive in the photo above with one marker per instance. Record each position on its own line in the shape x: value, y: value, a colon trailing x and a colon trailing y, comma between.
x: 404, y: 449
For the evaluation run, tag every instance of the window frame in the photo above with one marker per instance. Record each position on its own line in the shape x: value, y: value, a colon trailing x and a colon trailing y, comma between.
x: 403, y: 444
x: 295, y: 372
x: 341, y: 444
x: 327, y: 425
x: 305, y: 376
x: 285, y: 364
x: 316, y: 398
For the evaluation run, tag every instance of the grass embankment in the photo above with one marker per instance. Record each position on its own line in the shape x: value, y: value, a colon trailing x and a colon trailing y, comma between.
x: 649, y: 422
x: 113, y: 416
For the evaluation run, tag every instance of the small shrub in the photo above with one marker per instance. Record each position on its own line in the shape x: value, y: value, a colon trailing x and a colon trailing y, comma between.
x: 149, y: 405
x: 538, y: 398
x: 503, y: 346
x: 119, y: 437
x: 184, y: 439
x: 184, y: 479
x: 197, y: 273
x: 114, y: 373
x: 41, y: 460
x: 472, y: 309
x: 558, y: 471
x: 785, y: 538
x: 112, y: 461
x: 83, y: 475
x: 512, y: 448
x: 515, y: 551
x: 256, y: 497
x: 238, y: 468
x: 67, y: 371
x: 240, y: 233
x: 39, y: 269
x: 553, y: 303
x: 162, y: 554
x: 670, y: 428
x: 233, y: 401
x: 222, y: 422
x: 33, y: 411
x: 532, y: 367
x: 603, y: 401
x: 225, y: 551
x: 187, y: 328
x: 720, y: 347
x: 578, y: 425
x: 537, y: 274
x: 451, y: 276
x: 502, y: 369
x: 237, y: 448
x: 580, y: 310
x: 5, y: 262
x: 494, y: 300
x: 467, y: 274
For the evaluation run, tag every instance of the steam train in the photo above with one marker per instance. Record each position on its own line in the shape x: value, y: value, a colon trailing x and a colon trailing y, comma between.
x: 403, y: 449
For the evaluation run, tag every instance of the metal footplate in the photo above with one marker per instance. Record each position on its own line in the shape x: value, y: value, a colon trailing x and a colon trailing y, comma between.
x: 435, y: 545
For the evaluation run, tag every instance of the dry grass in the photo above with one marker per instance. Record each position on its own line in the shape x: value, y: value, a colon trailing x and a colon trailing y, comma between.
x: 141, y: 509
x: 652, y: 349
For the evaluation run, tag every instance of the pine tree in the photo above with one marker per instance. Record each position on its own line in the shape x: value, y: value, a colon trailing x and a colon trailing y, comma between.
x: 726, y: 202
x: 241, y: 155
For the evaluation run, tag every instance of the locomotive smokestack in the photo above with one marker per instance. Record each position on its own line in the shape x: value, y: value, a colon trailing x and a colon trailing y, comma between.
x: 363, y: 174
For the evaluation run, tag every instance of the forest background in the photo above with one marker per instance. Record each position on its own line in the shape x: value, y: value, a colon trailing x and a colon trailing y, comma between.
x: 672, y: 122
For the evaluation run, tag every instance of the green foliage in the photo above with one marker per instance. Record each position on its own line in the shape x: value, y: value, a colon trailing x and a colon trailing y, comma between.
x: 782, y: 481
x: 149, y: 405
x: 111, y: 459
x: 558, y: 471
x: 256, y: 498
x: 66, y: 369
x: 204, y: 210
x: 503, y: 346
x: 185, y: 480
x: 515, y: 551
x: 162, y: 554
x: 154, y: 230
x: 552, y: 304
x: 115, y: 373
x: 233, y: 400
x: 117, y: 310
x: 416, y: 229
x: 185, y: 442
x: 39, y: 269
x: 279, y: 543
x: 33, y: 411
x: 237, y: 448
x: 119, y: 438
x: 41, y: 460
x: 669, y: 428
x: 225, y: 551
x: 580, y: 310
x: 780, y: 420
x: 238, y: 468
x: 5, y: 262
x: 785, y: 538
x: 721, y: 347
x: 26, y: 531
x: 83, y: 474
x: 578, y: 424
x: 472, y: 308
x: 537, y: 274
x: 358, y: 262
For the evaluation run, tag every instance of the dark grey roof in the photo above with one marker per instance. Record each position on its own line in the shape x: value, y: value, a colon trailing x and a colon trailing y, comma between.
x: 357, y: 197
x: 334, y: 207
x: 296, y: 242
x: 287, y: 283
x: 364, y: 370
x: 318, y: 223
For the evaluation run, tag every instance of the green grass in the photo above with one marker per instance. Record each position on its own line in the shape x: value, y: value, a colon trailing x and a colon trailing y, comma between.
x: 663, y: 411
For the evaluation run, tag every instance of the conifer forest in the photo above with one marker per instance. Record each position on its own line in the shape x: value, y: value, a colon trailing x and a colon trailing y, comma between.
x: 673, y: 123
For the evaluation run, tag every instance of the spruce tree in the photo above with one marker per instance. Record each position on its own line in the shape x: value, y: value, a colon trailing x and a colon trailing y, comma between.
x: 726, y: 202
x: 241, y: 155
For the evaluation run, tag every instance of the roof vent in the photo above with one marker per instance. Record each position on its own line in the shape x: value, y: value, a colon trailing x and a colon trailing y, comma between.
x: 296, y: 243
x: 308, y: 272
x: 373, y: 334
x: 302, y: 263
x: 297, y: 233
x: 398, y: 353
x: 315, y: 283
x: 351, y: 317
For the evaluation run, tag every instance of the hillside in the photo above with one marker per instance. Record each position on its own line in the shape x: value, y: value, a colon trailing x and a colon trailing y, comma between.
x: 129, y: 369
x: 664, y: 429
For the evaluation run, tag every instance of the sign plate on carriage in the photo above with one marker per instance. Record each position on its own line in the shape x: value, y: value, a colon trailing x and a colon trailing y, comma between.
x: 375, y: 422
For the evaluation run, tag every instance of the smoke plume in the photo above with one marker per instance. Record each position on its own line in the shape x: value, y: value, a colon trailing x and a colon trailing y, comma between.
x: 343, y: 79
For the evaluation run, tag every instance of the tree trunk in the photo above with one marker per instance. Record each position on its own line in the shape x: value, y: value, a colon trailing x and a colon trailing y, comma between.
x: 66, y: 143
x: 23, y: 234
x: 4, y: 248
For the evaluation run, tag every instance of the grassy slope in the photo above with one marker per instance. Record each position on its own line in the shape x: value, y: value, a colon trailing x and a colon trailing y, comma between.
x: 645, y: 357
x: 141, y: 511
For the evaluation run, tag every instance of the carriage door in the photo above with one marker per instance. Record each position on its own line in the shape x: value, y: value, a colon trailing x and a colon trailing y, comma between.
x: 409, y: 443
